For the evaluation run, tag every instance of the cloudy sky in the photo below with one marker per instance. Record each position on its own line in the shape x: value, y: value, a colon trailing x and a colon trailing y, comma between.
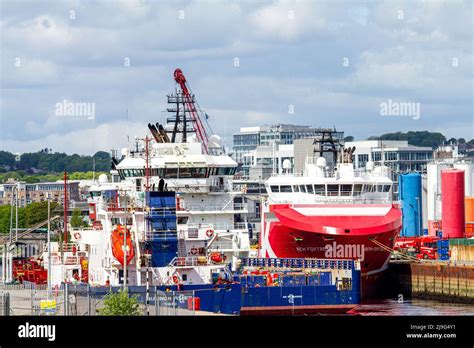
x: 318, y: 63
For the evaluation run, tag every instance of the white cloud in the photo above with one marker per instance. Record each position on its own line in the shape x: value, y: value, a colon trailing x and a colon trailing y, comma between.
x: 283, y: 60
x: 84, y: 141
x: 288, y: 20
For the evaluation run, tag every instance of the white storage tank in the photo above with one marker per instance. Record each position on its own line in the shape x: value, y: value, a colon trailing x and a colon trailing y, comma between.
x: 433, y: 174
x: 468, y: 177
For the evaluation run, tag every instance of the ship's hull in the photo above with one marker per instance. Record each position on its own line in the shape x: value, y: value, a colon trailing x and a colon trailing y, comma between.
x: 334, y: 232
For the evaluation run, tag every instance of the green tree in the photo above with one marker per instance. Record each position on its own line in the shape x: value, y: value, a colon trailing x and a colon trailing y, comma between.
x: 7, y: 158
x: 349, y: 138
x: 76, y: 219
x: 28, y: 216
x: 38, y: 212
x: 120, y: 303
x: 417, y: 138
x: 5, y: 218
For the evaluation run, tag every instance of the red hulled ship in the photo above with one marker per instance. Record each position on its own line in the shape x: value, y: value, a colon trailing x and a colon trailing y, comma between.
x: 332, y: 212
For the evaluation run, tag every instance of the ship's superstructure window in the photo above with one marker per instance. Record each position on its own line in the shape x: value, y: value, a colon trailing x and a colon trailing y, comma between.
x: 333, y: 190
x: 368, y: 188
x: 181, y: 220
x: 175, y: 172
x: 357, y: 189
x: 226, y: 171
x: 346, y: 190
x: 127, y: 173
x: 320, y: 190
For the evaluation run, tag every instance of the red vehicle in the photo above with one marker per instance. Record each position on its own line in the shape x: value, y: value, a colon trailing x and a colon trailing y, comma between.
x: 29, y: 270
x: 424, y: 247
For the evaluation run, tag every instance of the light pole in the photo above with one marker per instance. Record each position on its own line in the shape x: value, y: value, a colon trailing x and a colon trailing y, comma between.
x: 125, y: 248
x: 16, y: 212
x: 49, y: 245
x: 420, y: 228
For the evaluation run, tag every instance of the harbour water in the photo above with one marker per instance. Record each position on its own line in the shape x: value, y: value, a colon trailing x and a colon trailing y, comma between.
x: 411, y: 307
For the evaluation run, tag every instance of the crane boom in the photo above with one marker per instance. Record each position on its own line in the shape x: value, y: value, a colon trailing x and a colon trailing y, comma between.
x: 198, y: 125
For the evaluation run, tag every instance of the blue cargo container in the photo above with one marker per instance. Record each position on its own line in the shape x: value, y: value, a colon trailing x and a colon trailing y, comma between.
x: 409, y: 189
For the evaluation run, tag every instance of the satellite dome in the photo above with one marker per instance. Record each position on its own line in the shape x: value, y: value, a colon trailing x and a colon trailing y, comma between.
x: 321, y: 162
x: 215, y: 141
x: 370, y: 166
x: 287, y: 164
x: 124, y: 152
x: 103, y: 179
x: 192, y: 139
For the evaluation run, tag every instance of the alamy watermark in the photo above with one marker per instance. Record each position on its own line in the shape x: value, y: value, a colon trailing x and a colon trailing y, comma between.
x: 37, y: 331
x: 346, y: 251
x: 404, y: 109
x: 75, y: 109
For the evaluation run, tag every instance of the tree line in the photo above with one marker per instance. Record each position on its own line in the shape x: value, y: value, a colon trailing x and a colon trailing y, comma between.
x: 44, y: 161
x: 422, y: 138
x: 28, y: 216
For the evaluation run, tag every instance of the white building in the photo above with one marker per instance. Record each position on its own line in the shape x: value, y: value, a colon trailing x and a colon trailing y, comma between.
x: 397, y: 154
x: 264, y: 161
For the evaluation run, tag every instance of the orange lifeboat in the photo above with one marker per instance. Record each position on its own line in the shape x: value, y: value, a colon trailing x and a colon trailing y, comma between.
x: 118, y: 242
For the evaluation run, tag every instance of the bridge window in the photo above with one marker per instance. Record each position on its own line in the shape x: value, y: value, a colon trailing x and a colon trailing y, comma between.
x: 319, y: 190
x: 296, y: 188
x: 275, y: 188
x: 285, y: 188
x: 333, y: 189
x: 309, y: 188
x: 368, y: 188
x: 346, y: 190
x: 184, y: 172
x: 357, y: 189
x: 226, y: 171
x: 302, y: 188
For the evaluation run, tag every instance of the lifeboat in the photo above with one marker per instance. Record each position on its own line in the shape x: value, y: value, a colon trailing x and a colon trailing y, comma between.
x: 118, y: 243
x: 217, y: 257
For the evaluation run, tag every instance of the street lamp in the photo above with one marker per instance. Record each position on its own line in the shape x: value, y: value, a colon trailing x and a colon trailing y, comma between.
x: 420, y: 228
x: 48, y: 198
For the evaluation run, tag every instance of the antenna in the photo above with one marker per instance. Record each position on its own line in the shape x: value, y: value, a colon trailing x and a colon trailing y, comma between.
x: 381, y: 152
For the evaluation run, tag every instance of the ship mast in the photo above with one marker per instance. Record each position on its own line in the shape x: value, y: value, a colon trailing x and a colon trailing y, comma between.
x: 200, y: 126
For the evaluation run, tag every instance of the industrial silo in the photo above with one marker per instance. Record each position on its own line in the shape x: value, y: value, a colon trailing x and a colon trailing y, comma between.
x: 409, y: 189
x: 469, y: 210
x: 452, y: 202
x: 468, y: 176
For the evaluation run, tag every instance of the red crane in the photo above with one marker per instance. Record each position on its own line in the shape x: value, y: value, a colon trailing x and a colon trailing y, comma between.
x: 198, y: 125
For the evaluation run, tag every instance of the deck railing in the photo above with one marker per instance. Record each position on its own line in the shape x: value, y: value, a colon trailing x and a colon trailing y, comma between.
x: 297, y: 263
x: 160, y: 235
x: 221, y: 226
